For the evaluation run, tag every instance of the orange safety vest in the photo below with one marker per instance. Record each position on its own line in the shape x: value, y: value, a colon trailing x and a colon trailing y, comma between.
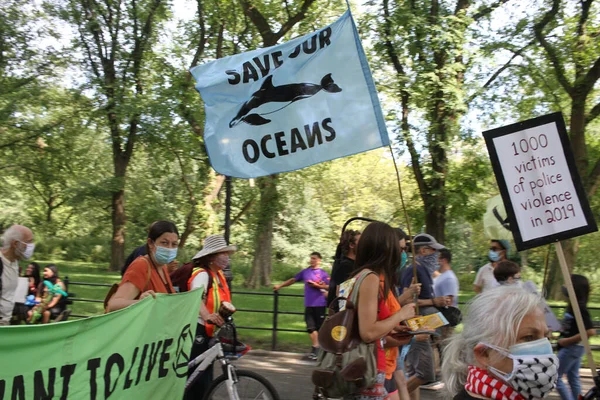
x: 216, y: 292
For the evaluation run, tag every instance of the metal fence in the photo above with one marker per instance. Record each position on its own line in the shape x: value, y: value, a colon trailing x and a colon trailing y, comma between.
x: 275, y: 311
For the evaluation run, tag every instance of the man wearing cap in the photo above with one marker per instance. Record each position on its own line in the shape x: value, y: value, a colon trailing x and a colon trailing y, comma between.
x: 485, y: 279
x: 315, y: 301
x: 17, y: 244
x: 419, y: 359
x: 208, y: 275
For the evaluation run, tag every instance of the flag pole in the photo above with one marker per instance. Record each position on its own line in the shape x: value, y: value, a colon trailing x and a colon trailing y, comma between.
x: 227, y: 208
x: 412, y: 246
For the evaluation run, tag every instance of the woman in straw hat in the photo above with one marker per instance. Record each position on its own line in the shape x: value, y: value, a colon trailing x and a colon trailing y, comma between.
x: 148, y: 274
x: 208, y: 275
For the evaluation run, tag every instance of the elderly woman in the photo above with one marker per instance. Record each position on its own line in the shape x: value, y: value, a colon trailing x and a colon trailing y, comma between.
x: 503, y: 352
x: 208, y: 275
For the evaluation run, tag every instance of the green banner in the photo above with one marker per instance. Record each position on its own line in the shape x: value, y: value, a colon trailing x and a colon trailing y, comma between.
x: 140, y: 352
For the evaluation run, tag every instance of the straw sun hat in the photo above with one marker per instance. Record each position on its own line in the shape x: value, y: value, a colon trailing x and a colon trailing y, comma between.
x: 214, y: 244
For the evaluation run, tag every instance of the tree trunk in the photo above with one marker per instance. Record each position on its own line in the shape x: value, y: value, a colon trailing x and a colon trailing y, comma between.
x: 117, y: 258
x: 49, y: 210
x: 555, y: 278
x: 578, y: 145
x: 267, y: 209
x: 119, y: 218
x: 190, y: 227
x: 262, y: 263
x: 435, y: 218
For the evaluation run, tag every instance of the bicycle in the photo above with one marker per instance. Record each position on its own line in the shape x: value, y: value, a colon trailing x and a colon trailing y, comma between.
x: 233, y: 384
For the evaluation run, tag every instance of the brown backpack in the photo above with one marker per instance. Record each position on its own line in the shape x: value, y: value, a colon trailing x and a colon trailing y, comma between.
x: 181, y: 276
x: 346, y: 364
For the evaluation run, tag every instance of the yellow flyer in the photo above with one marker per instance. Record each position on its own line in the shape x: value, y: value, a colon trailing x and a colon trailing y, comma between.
x: 427, y: 323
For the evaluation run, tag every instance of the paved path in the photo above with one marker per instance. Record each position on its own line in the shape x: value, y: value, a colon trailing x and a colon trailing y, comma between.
x: 290, y: 374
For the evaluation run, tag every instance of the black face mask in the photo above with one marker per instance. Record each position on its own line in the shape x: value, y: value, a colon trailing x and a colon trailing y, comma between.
x: 431, y: 262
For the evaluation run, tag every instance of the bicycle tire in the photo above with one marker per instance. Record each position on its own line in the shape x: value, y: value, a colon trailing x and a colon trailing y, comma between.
x: 218, y: 389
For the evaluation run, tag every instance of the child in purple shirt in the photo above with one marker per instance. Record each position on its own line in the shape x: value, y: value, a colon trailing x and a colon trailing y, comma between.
x: 316, y: 283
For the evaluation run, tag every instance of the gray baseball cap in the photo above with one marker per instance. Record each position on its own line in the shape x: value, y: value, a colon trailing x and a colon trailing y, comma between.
x: 423, y: 239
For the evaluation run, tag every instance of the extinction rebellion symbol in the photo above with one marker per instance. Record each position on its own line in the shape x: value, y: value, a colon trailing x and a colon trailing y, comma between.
x: 184, y: 348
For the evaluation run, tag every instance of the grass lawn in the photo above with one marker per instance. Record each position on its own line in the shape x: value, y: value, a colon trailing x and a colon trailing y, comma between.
x: 289, y: 341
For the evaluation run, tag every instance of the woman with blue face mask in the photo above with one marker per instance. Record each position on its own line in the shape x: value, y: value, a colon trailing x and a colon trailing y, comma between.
x: 148, y: 274
x: 503, y: 352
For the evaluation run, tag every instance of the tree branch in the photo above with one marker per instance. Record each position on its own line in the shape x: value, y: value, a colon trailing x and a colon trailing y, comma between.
x: 404, y: 96
x: 594, y: 177
x: 498, y: 72
x: 19, y: 140
x: 538, y: 29
x: 219, y: 53
x: 592, y: 75
x: 188, y: 187
x: 581, y: 35
x: 269, y: 37
x: 137, y: 57
x: 259, y: 21
x: 594, y: 112
x: 487, y: 10
x: 89, y: 54
x: 289, y: 24
x: 201, y: 40
x: 389, y: 46
x: 219, y: 180
x: 243, y: 211
x: 37, y: 190
x: 94, y: 29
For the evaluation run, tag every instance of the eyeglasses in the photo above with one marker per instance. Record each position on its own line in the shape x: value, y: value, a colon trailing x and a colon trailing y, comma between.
x: 496, y: 248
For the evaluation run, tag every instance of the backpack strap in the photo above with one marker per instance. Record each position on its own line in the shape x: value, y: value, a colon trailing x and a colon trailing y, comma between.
x: 113, y: 289
x: 360, y: 278
x: 149, y: 276
x: 1, y: 271
x: 195, y: 272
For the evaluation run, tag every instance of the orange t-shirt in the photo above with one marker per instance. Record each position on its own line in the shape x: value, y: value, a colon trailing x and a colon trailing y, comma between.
x: 391, y: 353
x: 137, y: 273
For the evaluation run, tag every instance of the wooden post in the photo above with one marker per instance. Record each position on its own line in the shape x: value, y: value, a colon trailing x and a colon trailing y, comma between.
x: 575, y: 305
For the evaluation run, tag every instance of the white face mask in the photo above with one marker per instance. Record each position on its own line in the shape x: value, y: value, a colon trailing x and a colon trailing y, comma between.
x: 221, y: 260
x: 535, y: 368
x: 28, y: 252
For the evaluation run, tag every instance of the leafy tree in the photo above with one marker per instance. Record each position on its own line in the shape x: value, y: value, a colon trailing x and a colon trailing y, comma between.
x: 23, y: 66
x: 424, y: 43
x: 554, y: 65
x: 117, y: 39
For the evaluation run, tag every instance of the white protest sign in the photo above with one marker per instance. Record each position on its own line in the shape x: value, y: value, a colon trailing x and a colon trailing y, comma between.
x: 538, y: 181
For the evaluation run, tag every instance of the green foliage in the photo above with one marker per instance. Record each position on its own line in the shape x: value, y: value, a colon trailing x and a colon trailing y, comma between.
x: 57, y: 153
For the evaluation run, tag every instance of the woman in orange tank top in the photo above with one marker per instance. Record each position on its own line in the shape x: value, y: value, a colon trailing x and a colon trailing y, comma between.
x: 148, y: 274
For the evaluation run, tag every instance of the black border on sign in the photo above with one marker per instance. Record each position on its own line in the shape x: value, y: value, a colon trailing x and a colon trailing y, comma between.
x: 556, y: 118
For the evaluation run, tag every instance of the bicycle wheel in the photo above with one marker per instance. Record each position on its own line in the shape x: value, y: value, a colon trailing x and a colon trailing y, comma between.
x: 250, y: 386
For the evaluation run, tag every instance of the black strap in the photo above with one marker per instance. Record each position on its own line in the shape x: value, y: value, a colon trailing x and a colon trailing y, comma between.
x: 1, y: 271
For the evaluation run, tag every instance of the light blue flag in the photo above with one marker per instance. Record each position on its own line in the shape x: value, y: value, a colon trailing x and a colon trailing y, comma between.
x: 289, y: 106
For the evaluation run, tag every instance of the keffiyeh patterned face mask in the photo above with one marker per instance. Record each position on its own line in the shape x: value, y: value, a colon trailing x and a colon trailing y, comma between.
x: 535, y: 368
